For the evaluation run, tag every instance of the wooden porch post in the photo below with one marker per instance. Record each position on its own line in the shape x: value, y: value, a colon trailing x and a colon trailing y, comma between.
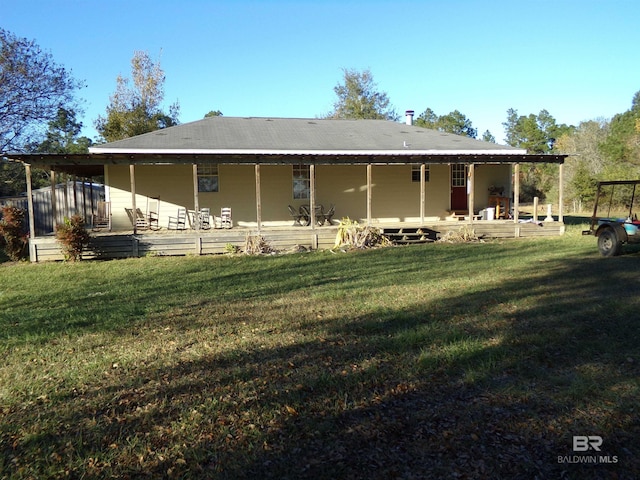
x: 32, y: 221
x: 84, y: 198
x: 75, y: 193
x: 65, y: 192
x: 258, y: 199
x: 561, y: 194
x: 312, y: 195
x: 132, y: 178
x: 422, y: 192
x: 91, y: 205
x: 54, y: 203
x: 368, y: 194
x: 472, y: 195
x: 516, y: 191
x: 196, y: 199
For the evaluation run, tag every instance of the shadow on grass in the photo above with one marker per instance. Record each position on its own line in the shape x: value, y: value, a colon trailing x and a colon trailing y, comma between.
x: 492, y: 383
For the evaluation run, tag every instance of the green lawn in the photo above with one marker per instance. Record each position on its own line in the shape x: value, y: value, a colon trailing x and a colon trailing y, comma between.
x: 478, y: 360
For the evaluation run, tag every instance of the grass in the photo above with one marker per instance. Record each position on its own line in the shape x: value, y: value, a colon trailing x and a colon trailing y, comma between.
x: 432, y: 361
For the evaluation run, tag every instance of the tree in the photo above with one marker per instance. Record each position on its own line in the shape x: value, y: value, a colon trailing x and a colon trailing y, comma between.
x: 136, y: 109
x: 537, y: 134
x: 63, y: 135
x: 427, y: 119
x: 585, y: 164
x: 458, y: 124
x: 32, y: 90
x: 453, y: 122
x: 359, y: 98
x: 622, y: 146
x: 487, y: 136
x: 213, y: 113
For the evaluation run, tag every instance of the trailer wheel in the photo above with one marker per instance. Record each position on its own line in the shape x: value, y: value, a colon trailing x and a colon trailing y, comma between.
x: 609, y: 244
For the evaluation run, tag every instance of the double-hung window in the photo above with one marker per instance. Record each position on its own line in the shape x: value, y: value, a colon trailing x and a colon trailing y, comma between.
x: 301, y: 182
x: 415, y: 173
x: 208, y: 180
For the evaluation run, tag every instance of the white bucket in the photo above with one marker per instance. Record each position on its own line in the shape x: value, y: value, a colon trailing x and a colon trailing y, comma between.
x: 491, y: 213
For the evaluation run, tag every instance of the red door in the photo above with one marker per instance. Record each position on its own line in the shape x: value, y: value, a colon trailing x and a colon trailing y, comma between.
x: 459, y: 187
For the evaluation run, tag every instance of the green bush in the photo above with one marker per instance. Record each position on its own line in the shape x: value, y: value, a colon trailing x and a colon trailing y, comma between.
x: 13, y: 238
x: 73, y: 237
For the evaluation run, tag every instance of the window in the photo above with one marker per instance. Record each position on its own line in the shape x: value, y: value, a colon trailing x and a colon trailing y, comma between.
x: 458, y: 175
x: 207, y: 178
x: 415, y: 173
x: 301, y: 182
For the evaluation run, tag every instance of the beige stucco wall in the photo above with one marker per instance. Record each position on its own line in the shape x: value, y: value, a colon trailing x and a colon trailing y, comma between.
x: 394, y: 196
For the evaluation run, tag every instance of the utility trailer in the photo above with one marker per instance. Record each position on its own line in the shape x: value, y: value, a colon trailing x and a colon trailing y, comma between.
x: 614, y: 221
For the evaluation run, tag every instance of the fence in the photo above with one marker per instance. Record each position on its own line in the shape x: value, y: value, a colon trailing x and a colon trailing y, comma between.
x: 71, y: 198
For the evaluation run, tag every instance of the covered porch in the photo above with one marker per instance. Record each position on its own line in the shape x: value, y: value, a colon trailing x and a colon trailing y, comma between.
x: 402, y: 179
x: 415, y: 221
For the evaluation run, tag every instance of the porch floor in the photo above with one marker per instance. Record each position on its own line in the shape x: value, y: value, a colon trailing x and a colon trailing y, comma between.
x: 122, y: 244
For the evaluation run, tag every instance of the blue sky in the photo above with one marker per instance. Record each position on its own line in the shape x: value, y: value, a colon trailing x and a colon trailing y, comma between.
x: 578, y: 59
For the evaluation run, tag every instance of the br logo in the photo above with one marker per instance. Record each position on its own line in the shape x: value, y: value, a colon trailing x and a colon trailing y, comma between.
x: 584, y: 443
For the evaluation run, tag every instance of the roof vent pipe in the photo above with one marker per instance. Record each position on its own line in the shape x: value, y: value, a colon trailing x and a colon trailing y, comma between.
x: 409, y: 114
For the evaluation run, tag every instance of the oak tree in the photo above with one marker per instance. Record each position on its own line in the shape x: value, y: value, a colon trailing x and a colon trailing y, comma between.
x: 33, y: 87
x: 136, y: 106
x: 359, y: 98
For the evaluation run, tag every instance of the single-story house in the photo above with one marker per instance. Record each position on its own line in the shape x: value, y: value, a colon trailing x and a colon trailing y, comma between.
x: 377, y: 172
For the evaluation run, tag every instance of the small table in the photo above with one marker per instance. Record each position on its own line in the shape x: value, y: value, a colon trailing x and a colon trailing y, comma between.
x: 501, y: 205
x: 304, y: 210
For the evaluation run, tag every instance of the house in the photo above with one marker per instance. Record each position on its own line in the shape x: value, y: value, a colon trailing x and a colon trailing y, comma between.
x: 374, y: 171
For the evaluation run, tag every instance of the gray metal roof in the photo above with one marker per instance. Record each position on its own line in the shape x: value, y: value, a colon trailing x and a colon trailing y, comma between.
x: 235, y: 135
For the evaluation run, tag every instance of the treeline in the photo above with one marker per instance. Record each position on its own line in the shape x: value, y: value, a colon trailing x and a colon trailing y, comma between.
x: 38, y: 109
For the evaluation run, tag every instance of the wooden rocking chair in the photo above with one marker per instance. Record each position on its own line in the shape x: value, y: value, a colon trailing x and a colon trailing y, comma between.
x: 102, y: 217
x: 179, y: 222
x: 138, y: 220
x: 153, y: 212
x: 205, y: 218
x: 225, y: 217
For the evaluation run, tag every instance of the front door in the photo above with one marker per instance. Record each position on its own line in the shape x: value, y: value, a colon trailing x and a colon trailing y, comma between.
x: 459, y: 187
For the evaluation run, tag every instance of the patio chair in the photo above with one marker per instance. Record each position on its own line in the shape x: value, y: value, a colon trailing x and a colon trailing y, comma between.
x: 204, y: 218
x: 192, y: 218
x: 179, y: 222
x: 153, y: 212
x: 328, y: 215
x: 306, y: 215
x: 318, y: 216
x: 225, y: 217
x: 297, y: 216
x: 102, y: 217
x: 138, y: 220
